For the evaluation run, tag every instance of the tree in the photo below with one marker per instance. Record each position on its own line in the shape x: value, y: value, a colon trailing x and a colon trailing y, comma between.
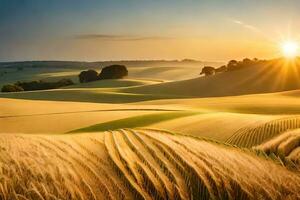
x: 247, y: 61
x: 113, y: 72
x: 232, y: 62
x: 232, y: 65
x: 88, y: 76
x: 11, y: 88
x: 208, y: 70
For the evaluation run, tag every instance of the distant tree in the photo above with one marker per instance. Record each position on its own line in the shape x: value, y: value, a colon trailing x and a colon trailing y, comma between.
x: 247, y: 61
x: 88, y: 76
x: 208, y: 70
x: 31, y: 85
x: 188, y: 60
x: 43, y: 85
x: 11, y: 88
x: 232, y: 62
x: 232, y: 65
x: 64, y: 82
x: 113, y: 72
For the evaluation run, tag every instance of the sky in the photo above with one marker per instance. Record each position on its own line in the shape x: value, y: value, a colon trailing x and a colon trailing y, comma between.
x: 95, y: 30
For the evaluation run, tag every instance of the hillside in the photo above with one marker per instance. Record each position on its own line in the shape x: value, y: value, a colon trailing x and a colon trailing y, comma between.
x: 267, y: 77
x: 219, y: 126
x: 273, y: 76
x: 114, y: 83
x: 137, y: 164
x: 17, y: 116
x: 217, y: 117
x: 11, y: 72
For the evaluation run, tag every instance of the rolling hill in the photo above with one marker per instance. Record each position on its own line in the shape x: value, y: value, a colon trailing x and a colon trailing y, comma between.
x: 238, y: 146
x: 269, y: 77
x: 28, y: 116
x: 137, y: 164
x: 11, y: 72
x: 218, y: 118
x: 273, y: 76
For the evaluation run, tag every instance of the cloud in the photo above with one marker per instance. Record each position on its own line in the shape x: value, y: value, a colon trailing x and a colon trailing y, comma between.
x: 247, y: 26
x: 108, y: 37
x: 237, y: 22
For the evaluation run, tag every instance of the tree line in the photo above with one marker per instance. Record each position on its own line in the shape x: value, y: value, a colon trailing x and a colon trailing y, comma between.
x: 232, y: 65
x: 108, y: 72
x: 36, y: 85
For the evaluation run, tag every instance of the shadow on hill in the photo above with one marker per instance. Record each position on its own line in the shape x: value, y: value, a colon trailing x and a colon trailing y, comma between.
x: 87, y: 95
x: 87, y: 111
x: 113, y: 83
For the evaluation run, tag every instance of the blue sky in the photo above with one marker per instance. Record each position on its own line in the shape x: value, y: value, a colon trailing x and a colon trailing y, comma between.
x: 139, y: 29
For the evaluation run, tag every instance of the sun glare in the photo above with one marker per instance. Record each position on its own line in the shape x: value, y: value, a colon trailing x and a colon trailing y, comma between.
x: 289, y: 49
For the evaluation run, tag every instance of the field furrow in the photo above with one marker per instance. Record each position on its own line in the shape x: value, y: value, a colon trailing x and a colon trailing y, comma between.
x: 145, y: 164
x: 253, y: 136
x: 115, y: 160
x: 166, y: 165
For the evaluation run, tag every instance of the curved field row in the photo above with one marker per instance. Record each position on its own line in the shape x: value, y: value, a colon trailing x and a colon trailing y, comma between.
x: 136, y: 164
x: 218, y: 126
x: 286, y: 146
x: 249, y: 136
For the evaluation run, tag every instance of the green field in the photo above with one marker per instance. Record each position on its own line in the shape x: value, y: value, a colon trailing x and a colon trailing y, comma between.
x: 133, y: 122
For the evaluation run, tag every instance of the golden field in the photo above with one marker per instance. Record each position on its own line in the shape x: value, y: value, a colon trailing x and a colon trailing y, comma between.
x: 137, y: 164
x: 143, y: 138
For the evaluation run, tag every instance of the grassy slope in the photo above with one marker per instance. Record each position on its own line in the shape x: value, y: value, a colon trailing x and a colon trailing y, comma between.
x: 257, y: 79
x: 27, y: 116
x: 85, y: 95
x: 285, y: 103
x: 249, y: 118
x: 137, y: 164
x: 154, y: 70
x: 114, y: 83
x: 136, y: 121
x: 29, y: 74
x: 227, y: 114
x: 274, y: 77
x: 272, y: 103
x: 217, y: 126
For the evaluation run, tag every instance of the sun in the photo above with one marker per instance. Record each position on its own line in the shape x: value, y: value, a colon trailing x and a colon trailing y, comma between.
x: 289, y: 49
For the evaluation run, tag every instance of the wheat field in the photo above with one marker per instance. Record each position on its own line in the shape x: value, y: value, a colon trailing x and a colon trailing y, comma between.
x: 252, y: 136
x: 286, y: 146
x: 137, y: 164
